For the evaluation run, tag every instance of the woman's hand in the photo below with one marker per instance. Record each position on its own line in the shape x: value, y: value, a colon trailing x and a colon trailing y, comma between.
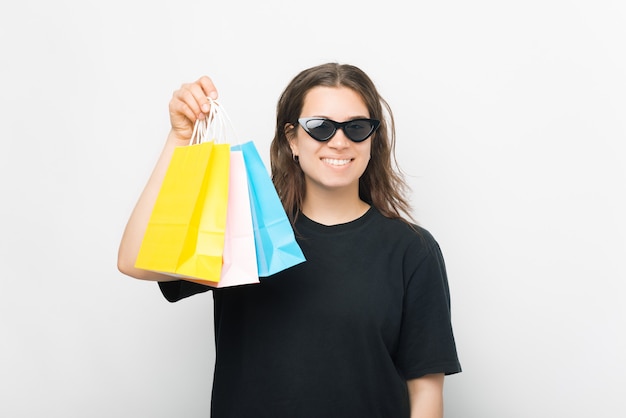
x: 189, y: 103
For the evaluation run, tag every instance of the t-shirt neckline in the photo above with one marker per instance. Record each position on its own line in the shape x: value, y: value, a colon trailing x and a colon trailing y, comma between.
x: 307, y: 223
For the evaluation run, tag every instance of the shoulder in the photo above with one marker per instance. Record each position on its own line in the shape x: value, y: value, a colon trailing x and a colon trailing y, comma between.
x: 415, y: 235
x: 414, y: 244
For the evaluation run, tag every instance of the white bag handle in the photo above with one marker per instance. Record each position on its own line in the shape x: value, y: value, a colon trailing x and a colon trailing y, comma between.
x: 216, y: 126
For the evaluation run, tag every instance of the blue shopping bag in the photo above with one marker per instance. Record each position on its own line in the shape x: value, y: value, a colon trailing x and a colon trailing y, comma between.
x: 276, y: 246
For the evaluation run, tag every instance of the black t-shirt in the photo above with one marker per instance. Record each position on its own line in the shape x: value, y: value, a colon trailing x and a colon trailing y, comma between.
x: 338, y: 335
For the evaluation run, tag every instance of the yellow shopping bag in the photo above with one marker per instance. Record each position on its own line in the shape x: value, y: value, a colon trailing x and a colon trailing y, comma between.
x: 185, y: 233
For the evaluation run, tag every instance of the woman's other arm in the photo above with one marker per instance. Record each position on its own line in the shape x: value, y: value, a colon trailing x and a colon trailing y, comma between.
x: 426, y: 396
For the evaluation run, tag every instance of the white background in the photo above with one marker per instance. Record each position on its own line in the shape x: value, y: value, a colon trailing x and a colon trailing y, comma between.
x: 511, y: 128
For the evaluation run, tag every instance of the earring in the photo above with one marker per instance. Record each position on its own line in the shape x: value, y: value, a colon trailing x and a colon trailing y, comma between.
x: 296, y: 159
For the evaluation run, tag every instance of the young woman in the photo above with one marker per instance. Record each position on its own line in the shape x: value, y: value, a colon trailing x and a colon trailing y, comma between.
x: 362, y: 328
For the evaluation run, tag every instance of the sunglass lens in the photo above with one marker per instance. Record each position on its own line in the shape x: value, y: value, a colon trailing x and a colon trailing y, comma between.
x: 358, y: 130
x: 320, y: 129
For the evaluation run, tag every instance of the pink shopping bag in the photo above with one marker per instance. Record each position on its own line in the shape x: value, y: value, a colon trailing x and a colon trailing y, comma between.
x: 240, y: 265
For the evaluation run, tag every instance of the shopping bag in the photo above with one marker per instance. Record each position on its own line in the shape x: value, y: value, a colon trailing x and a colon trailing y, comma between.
x: 239, y: 260
x: 186, y: 230
x: 275, y: 243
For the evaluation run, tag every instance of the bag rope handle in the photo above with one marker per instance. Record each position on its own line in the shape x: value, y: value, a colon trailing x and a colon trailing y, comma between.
x: 214, y: 127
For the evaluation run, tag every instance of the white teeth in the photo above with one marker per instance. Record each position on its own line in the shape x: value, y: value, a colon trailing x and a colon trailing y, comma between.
x: 333, y: 161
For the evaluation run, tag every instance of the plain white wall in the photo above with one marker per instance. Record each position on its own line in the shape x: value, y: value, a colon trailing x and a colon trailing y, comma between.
x: 511, y: 127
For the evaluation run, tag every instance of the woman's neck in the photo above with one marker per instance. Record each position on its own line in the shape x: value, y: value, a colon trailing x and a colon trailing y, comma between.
x: 333, y: 207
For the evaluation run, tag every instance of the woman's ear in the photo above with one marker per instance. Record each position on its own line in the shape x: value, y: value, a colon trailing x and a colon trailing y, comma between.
x: 290, y: 134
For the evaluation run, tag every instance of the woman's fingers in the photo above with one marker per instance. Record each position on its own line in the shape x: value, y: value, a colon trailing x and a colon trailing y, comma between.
x: 198, y: 94
x: 208, y: 87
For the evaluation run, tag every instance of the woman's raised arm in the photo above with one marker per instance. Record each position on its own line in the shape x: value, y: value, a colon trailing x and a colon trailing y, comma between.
x: 188, y: 103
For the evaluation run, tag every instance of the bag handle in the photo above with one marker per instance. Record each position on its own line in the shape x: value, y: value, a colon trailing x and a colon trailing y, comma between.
x: 216, y: 126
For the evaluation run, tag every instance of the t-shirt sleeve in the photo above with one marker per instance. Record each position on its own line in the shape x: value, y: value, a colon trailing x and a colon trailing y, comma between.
x: 180, y: 289
x: 426, y: 343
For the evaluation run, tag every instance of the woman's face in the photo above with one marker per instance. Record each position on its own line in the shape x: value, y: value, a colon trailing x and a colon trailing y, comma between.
x: 338, y: 163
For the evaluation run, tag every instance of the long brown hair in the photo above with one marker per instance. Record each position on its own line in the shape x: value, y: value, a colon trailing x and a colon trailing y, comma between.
x: 382, y: 184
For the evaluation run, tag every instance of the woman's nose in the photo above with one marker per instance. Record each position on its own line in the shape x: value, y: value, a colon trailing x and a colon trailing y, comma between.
x: 339, y: 140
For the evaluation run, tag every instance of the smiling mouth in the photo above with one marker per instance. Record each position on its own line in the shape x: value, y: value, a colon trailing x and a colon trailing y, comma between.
x: 336, y: 162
